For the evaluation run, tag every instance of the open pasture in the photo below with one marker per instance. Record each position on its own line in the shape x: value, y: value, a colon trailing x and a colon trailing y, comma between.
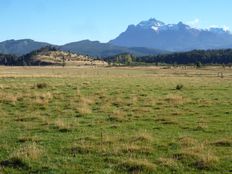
x: 115, y: 120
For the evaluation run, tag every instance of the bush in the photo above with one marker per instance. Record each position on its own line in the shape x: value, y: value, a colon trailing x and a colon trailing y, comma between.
x: 198, y: 64
x: 41, y: 85
x: 179, y: 87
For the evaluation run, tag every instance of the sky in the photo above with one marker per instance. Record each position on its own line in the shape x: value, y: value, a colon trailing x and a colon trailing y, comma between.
x: 63, y: 21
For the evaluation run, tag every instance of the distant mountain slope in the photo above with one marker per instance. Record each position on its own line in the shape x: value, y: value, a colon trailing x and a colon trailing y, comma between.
x: 97, y: 49
x: 86, y: 47
x: 20, y: 47
x: 172, y: 37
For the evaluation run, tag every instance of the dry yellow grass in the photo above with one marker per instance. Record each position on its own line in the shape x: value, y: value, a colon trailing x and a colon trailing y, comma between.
x: 168, y: 162
x: 30, y: 151
x: 175, y: 99
x: 117, y: 115
x: 84, y: 105
x: 137, y: 166
x: 187, y: 141
x: 86, y: 100
x: 198, y: 156
x: 24, y: 139
x: 62, y: 126
x: 142, y: 137
x: 207, y: 161
x: 84, y: 110
x: 42, y: 98
x: 227, y: 142
x: 136, y: 149
x: 106, y: 107
x: 8, y: 98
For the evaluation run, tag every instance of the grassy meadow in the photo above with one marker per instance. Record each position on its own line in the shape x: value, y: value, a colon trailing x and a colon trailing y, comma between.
x: 115, y: 120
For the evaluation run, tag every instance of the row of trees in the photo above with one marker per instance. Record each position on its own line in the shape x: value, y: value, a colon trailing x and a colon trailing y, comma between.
x: 192, y: 57
x: 125, y: 59
x: 28, y: 59
x: 8, y: 60
x: 196, y: 57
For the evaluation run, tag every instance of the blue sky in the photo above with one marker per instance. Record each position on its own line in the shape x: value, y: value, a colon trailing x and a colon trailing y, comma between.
x: 62, y: 21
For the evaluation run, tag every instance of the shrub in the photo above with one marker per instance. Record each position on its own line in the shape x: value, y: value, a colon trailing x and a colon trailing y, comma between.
x: 198, y: 64
x: 41, y: 85
x: 179, y: 87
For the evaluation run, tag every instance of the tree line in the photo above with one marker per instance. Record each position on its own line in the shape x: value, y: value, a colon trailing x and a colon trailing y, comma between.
x: 25, y: 60
x: 195, y: 57
x: 223, y: 56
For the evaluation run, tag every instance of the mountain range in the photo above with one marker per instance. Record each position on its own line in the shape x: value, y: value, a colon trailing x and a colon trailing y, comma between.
x: 85, y: 47
x: 173, y: 37
x: 149, y: 37
x: 97, y: 49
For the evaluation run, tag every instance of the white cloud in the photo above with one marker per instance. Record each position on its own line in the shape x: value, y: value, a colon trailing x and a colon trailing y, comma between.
x: 213, y: 26
x: 194, y: 23
x: 224, y: 27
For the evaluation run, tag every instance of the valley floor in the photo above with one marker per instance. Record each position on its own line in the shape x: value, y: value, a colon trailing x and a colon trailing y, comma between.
x: 115, y: 120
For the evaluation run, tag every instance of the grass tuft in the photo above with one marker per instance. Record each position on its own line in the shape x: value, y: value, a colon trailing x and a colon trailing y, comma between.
x: 137, y: 166
x: 175, y: 99
x: 223, y: 143
x: 8, y: 98
x: 206, y: 161
x: 198, y: 157
x: 167, y: 162
x: 24, y: 139
x: 117, y: 116
x: 187, y: 141
x: 131, y: 148
x: 84, y: 106
x: 28, y: 152
x: 62, y: 126
x: 142, y: 137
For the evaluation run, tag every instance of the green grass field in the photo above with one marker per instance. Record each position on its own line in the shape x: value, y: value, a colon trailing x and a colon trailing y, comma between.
x: 115, y: 120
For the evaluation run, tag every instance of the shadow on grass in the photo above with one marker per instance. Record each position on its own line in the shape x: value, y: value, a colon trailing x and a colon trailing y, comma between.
x: 16, y: 163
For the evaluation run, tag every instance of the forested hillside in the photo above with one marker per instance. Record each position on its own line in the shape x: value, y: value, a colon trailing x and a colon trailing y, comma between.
x: 192, y: 57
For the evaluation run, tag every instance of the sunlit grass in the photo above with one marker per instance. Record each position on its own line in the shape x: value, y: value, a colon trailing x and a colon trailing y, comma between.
x: 115, y: 120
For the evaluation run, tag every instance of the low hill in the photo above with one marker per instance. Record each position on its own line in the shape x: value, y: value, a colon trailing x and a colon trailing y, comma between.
x: 50, y: 56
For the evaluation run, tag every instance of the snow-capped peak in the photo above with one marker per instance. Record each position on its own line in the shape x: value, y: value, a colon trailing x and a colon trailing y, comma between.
x: 151, y: 23
x: 159, y: 26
